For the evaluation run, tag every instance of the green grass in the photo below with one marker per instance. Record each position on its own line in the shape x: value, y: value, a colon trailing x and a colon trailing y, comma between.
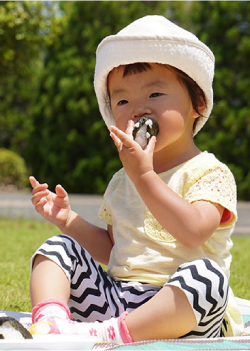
x: 240, y: 270
x: 20, y: 238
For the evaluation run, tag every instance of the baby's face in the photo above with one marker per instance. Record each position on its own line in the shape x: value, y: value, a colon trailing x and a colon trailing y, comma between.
x: 155, y: 93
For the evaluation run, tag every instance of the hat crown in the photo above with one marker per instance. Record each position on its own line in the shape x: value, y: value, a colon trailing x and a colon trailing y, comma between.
x: 156, y: 27
x: 151, y: 26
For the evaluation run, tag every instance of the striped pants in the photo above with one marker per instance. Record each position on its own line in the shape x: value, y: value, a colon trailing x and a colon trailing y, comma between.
x: 95, y: 296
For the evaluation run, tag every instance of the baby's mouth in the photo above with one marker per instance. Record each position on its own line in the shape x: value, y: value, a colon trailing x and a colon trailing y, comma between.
x: 144, y: 128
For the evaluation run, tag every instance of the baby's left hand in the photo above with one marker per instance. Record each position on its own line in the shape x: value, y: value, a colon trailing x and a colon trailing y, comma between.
x: 136, y: 161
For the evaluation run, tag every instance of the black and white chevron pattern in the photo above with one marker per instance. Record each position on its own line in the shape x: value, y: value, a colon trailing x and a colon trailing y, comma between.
x: 206, y: 287
x: 95, y: 296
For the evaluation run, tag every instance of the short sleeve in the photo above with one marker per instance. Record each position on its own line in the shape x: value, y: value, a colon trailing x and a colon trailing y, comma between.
x: 217, y: 186
x: 105, y: 214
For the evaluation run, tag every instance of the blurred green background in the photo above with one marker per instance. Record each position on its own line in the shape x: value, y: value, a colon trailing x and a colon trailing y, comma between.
x: 48, y: 110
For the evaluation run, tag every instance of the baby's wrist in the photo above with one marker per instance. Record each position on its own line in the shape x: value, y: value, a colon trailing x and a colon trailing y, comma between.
x: 143, y: 178
x: 65, y: 225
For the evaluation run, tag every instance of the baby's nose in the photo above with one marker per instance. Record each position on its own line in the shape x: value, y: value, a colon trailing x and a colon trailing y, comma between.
x: 140, y: 110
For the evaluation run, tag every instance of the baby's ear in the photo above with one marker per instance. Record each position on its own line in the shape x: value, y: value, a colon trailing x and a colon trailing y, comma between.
x: 196, y: 115
x: 202, y: 107
x: 201, y: 103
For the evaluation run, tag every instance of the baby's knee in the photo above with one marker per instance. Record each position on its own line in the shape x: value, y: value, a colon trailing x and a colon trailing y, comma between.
x: 57, y: 249
x: 205, y: 275
x: 206, y: 287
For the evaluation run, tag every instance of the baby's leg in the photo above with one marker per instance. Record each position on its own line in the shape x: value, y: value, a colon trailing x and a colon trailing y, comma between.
x: 48, y: 281
x: 63, y: 273
x: 191, y: 304
x: 167, y: 315
x: 63, y: 270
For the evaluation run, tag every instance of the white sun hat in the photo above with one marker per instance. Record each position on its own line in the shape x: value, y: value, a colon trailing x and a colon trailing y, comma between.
x: 154, y: 39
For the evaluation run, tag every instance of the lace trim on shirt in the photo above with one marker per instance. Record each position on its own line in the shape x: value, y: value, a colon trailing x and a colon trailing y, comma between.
x: 155, y: 231
x: 105, y: 214
x: 216, y: 186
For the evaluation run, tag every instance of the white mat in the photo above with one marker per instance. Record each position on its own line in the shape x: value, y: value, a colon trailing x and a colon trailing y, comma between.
x: 61, y: 342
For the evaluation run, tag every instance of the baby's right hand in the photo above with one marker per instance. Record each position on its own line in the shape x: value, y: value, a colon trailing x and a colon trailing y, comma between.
x: 54, y: 207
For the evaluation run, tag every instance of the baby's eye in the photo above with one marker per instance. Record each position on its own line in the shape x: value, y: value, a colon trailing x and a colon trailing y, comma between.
x: 153, y: 95
x: 122, y: 102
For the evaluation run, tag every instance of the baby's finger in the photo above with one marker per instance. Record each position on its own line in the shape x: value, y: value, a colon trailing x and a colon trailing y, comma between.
x: 116, y: 140
x: 60, y: 191
x: 130, y: 128
x: 33, y: 181
x: 38, y: 196
x: 37, y: 187
x: 39, y: 206
x: 151, y: 144
x: 40, y: 188
x: 124, y: 139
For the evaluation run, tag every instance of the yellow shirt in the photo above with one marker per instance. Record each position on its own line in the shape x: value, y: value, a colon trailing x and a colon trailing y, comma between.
x: 143, y: 250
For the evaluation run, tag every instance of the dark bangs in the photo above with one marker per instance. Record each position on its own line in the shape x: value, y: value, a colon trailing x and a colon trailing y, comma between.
x: 134, y: 68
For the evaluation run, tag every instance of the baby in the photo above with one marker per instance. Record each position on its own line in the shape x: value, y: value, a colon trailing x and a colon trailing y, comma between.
x: 170, y: 211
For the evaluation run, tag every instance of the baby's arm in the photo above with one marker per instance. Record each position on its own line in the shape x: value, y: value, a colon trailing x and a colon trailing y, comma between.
x: 191, y: 224
x: 56, y: 209
x: 97, y: 241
